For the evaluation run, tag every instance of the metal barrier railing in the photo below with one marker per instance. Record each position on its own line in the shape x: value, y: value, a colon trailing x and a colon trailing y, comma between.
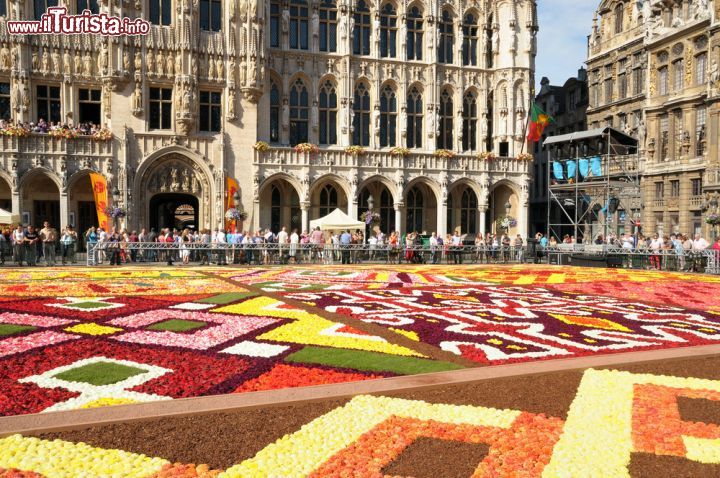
x: 707, y: 261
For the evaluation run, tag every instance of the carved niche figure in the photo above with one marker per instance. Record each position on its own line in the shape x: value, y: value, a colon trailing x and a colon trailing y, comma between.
x: 211, y: 68
x: 178, y: 64
x: 126, y: 60
x: 87, y: 60
x: 243, y: 72
x: 193, y: 66
x: 46, y: 61
x: 376, y: 119
x: 314, y: 116
x: 150, y: 59
x: 15, y: 58
x: 138, y: 62
x: 77, y: 63
x: 459, y: 119
x: 16, y: 97
x: 496, y: 41
x: 231, y: 104
x: 5, y: 60
x: 160, y: 64
x: 25, y: 96
x: 35, y: 63
x: 252, y: 71
x: 170, y: 64
x: 67, y: 63
x: 403, y: 39
x: 220, y: 67
x: 57, y: 63
x: 286, y: 20
x: 285, y: 114
x: 403, y: 121
x: 253, y: 4
x: 104, y: 60
x: 137, y: 97
x: 432, y: 125
x: 519, y: 122
x: 185, y: 180
x: 174, y: 184
x: 187, y: 100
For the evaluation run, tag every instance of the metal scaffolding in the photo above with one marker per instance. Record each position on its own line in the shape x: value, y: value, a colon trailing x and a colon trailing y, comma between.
x: 593, y: 180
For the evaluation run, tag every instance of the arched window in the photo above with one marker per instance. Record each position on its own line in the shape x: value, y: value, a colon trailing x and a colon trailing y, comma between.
x: 445, y: 30
x: 275, y: 209
x: 328, y: 25
x: 470, y: 40
x: 445, y: 138
x: 387, y: 212
x: 361, y: 33
x: 328, y: 200
x: 388, y: 116
x: 414, y: 34
x: 328, y: 114
x: 299, y: 24
x: 619, y: 17
x: 468, y: 212
x: 469, y: 122
x: 299, y: 113
x: 274, y: 112
x: 275, y: 13
x: 414, y: 118
x: 388, y: 31
x: 361, y: 121
x: 414, y: 210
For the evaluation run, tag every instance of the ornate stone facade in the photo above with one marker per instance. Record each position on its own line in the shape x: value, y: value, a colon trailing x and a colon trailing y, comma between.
x: 653, y: 69
x: 188, y: 103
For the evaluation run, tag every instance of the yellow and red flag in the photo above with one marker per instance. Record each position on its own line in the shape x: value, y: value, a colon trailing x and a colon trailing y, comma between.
x: 99, y: 187
x: 538, y: 121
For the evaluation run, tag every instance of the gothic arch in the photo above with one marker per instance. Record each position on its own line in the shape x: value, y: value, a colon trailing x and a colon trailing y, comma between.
x: 77, y: 175
x: 307, y: 81
x: 5, y: 176
x: 30, y: 174
x: 384, y: 181
x: 431, y: 184
x: 468, y: 182
x: 333, y: 178
x: 292, y: 180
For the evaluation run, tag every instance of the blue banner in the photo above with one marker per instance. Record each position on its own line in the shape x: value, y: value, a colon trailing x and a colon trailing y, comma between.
x: 571, y: 168
x: 596, y: 166
x: 558, y: 171
x: 584, y: 167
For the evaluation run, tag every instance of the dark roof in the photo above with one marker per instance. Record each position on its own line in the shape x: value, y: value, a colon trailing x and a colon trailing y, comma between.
x: 616, y: 134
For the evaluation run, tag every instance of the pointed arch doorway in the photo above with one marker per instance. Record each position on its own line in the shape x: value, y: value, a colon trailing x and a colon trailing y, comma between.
x: 174, y: 210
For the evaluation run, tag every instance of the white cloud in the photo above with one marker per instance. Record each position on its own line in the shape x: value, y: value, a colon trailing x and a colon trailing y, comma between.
x: 562, y: 40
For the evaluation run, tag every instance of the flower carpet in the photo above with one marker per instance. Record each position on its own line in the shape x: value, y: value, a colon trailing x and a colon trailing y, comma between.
x: 79, y: 338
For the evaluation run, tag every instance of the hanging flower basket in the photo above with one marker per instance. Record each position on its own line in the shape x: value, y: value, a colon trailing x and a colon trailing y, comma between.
x: 235, y: 214
x: 307, y: 148
x: 261, y: 146
x: 115, y: 212
x: 486, y: 155
x: 525, y: 157
x: 712, y: 219
x: 103, y: 134
x: 370, y: 218
x: 399, y: 151
x: 506, y: 222
x: 444, y: 153
x: 355, y: 150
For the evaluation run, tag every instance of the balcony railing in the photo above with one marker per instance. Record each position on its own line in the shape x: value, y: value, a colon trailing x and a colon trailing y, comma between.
x: 382, y: 159
x: 38, y: 143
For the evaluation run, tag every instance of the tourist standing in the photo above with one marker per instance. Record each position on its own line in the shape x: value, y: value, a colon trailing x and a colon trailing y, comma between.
x: 30, y: 242
x: 18, y: 244
x: 48, y: 236
x: 67, y: 245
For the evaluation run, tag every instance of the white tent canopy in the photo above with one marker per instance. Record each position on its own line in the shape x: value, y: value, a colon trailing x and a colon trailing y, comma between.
x: 6, y: 217
x: 337, y: 221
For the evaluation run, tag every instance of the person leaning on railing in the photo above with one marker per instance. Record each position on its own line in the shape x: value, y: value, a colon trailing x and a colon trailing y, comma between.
x: 67, y: 245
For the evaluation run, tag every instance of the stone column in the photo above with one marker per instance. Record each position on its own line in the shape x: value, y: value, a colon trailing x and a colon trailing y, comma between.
x: 16, y: 204
x: 398, y: 217
x: 256, y: 215
x: 482, y: 210
x: 63, y: 211
x: 523, y: 220
x: 442, y: 219
x: 352, y: 208
x: 304, y: 211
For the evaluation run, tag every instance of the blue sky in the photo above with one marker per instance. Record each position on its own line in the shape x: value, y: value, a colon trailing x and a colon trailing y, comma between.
x: 562, y: 40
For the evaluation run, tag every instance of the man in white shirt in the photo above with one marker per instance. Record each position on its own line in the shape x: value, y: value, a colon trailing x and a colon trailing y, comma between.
x: 294, y: 241
x: 434, y: 247
x: 457, y: 245
x: 282, y: 239
x: 699, y: 244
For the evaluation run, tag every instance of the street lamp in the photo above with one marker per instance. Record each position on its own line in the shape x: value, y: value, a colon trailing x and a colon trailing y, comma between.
x: 116, y: 202
x: 236, y: 199
x: 371, y: 203
x: 508, y: 206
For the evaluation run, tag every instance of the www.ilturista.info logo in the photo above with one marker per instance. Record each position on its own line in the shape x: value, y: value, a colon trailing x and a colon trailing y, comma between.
x: 57, y: 21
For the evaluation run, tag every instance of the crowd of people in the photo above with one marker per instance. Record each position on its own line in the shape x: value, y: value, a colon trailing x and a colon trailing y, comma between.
x: 11, y: 128
x: 28, y: 245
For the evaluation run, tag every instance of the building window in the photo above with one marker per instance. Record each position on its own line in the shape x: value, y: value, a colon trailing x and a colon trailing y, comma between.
x: 328, y: 114
x: 664, y: 136
x: 3, y: 8
x: 275, y: 208
x: 700, y: 120
x: 622, y: 85
x: 700, y: 69
x: 678, y: 76
x: 89, y: 102
x: 48, y: 103
x: 414, y: 34
x: 674, y: 188
x: 638, y: 81
x: 82, y: 5
x: 5, y: 109
x: 414, y: 119
x: 679, y: 132
x: 468, y: 212
x: 663, y: 81
x: 387, y: 211
x: 659, y: 190
x: 388, y: 31
x: 328, y: 26
x: 41, y: 7
x: 361, y: 32
x: 275, y: 14
x: 161, y: 108
x: 445, y: 136
x: 469, y: 122
x: 210, y: 111
x: 299, y: 113
x: 361, y: 120
x: 470, y: 40
x: 608, y: 90
x: 445, y: 30
x: 161, y: 12
x: 210, y: 15
x: 696, y: 186
x: 299, y: 24
x: 328, y: 200
x: 388, y: 116
x: 415, y: 202
x: 274, y: 112
x: 619, y: 18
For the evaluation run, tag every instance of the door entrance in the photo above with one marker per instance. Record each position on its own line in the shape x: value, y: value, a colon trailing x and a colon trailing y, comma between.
x: 178, y: 211
x: 46, y: 211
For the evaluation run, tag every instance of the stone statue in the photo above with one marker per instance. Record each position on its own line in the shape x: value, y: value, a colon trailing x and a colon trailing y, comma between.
x: 285, y: 114
x: 314, y: 116
x: 150, y: 60
x: 231, y: 104
x: 315, y: 22
x: 342, y: 27
x: 174, y: 184
x: 67, y: 63
x: 252, y: 71
x: 253, y: 8
x: 376, y: 29
x: 403, y: 40
x: 16, y: 97
x: 138, y: 62
x: 460, y: 40
x: 126, y: 60
x: 57, y: 61
x: 15, y: 58
x: 170, y: 64
x: 519, y: 123
x: 459, y: 120
x: 185, y: 180
x: 432, y: 124
x: 104, y: 59
x: 220, y: 66
x: 35, y: 60
x: 46, y: 61
x: 187, y: 101
x: 77, y: 61
x: 243, y: 72
x: 211, y: 68
x: 178, y: 64
x: 403, y: 121
x: 713, y: 77
x: 286, y: 21
x: 484, y: 126
x: 641, y: 134
x: 5, y: 60
x: 160, y: 64
x: 137, y: 97
x: 376, y: 119
x: 193, y: 66
x: 496, y: 41
x: 700, y: 9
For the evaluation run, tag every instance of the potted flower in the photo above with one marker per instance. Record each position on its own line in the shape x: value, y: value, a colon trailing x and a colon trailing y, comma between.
x: 102, y: 134
x: 115, y: 212
x: 355, y: 150
x: 713, y: 219
x: 370, y: 218
x: 525, y: 157
x: 307, y: 148
x: 487, y: 155
x: 235, y: 214
x: 17, y: 131
x: 506, y: 222
x: 399, y: 151
x: 444, y: 153
x: 64, y: 133
x: 261, y: 146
